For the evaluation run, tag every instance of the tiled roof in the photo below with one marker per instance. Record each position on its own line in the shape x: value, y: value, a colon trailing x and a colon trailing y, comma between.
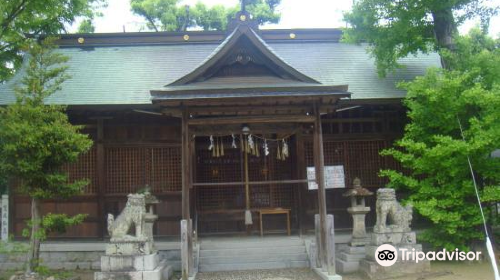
x: 126, y: 74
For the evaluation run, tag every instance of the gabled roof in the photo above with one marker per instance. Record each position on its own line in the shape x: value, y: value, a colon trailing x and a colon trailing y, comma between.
x: 243, y: 42
x: 243, y: 66
x: 122, y: 68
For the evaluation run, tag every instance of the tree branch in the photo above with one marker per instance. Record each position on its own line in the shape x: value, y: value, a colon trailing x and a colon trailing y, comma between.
x: 151, y: 22
x: 10, y: 18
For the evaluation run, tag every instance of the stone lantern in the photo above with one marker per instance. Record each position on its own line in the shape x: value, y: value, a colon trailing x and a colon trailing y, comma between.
x: 150, y: 217
x: 358, y: 211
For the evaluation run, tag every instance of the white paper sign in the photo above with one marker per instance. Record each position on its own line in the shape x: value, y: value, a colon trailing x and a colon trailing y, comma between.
x: 334, y: 177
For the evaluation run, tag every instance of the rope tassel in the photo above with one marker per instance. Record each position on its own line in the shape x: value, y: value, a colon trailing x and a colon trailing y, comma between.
x: 278, y: 152
x: 234, y: 142
x: 285, y: 150
x: 222, y: 147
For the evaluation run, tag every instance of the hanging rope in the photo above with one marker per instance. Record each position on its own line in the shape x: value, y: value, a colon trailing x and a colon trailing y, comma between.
x: 250, y: 145
x: 489, y: 247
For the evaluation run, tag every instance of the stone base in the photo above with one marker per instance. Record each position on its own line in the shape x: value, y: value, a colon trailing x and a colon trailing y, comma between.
x: 348, y: 260
x: 161, y: 272
x: 408, y: 237
x: 130, y: 247
x: 325, y: 276
x: 129, y: 263
x: 370, y: 250
x: 372, y: 270
x: 356, y: 242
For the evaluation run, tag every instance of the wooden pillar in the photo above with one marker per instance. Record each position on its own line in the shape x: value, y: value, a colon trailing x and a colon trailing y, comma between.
x: 301, y: 174
x: 101, y: 177
x: 186, y: 166
x: 319, y: 164
x: 186, y: 185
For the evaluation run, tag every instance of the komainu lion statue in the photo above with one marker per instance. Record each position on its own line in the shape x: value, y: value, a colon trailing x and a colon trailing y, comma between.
x: 391, y: 216
x: 133, y: 214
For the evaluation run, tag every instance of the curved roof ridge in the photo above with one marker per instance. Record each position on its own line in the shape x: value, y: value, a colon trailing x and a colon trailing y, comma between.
x: 226, y: 46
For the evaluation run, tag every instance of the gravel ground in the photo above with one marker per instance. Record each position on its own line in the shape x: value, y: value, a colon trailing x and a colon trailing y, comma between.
x: 268, y: 274
x: 439, y: 271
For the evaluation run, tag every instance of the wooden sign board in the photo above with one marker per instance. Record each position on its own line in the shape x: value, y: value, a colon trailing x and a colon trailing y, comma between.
x: 334, y: 177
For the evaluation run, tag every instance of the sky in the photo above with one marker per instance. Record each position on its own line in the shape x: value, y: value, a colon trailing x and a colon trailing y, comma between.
x: 294, y: 14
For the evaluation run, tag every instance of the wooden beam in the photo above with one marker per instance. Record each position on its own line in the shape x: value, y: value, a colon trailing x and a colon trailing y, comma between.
x: 252, y: 119
x: 255, y: 183
x: 223, y: 130
x: 235, y: 109
x: 263, y: 107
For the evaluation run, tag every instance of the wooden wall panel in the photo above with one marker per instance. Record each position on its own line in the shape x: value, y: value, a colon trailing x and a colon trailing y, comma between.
x: 88, y: 229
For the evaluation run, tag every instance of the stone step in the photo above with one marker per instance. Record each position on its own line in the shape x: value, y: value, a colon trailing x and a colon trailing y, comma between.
x: 252, y: 265
x: 210, y: 245
x: 258, y: 251
x: 354, y: 250
x: 245, y: 258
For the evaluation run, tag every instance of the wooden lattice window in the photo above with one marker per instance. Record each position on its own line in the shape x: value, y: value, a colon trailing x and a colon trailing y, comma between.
x: 228, y: 168
x: 218, y: 169
x: 365, y: 161
x: 221, y: 197
x: 359, y: 158
x: 125, y: 169
x: 84, y: 168
x: 129, y: 169
x: 282, y: 196
x: 166, y: 173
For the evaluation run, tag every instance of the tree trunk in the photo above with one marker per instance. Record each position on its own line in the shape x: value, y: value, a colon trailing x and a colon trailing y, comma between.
x: 444, y: 30
x: 34, y: 251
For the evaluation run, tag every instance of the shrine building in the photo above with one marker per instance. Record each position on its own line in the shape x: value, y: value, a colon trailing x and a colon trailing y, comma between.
x: 219, y: 124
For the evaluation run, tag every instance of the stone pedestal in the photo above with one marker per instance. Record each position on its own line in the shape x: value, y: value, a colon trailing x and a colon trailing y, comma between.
x: 393, y: 228
x: 133, y: 257
x: 372, y: 270
x: 358, y: 226
x: 132, y: 260
x: 122, y: 247
x: 161, y: 272
x: 403, y: 240
x: 349, y: 258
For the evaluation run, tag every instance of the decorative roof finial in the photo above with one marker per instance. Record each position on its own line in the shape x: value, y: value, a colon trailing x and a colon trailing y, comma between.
x: 242, y: 18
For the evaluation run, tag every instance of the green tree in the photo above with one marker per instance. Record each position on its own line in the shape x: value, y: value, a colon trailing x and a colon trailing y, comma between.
x: 37, y: 140
x: 18, y: 18
x: 433, y: 151
x: 396, y: 29
x: 167, y: 15
x: 465, y: 89
x: 86, y: 26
